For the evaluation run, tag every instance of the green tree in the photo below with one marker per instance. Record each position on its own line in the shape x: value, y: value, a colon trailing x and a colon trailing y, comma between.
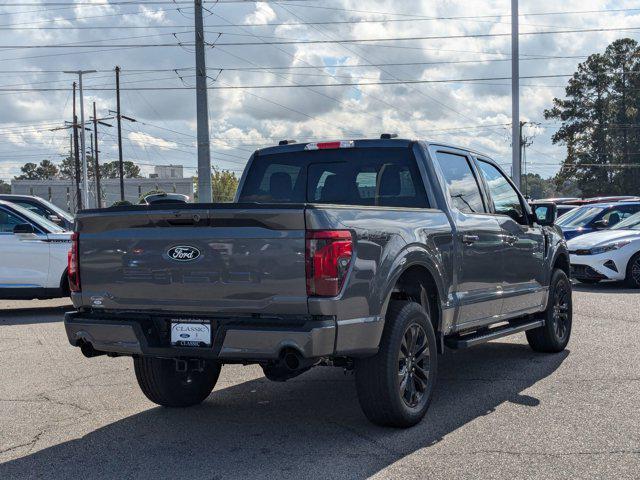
x: 534, y: 186
x: 47, y: 170
x: 224, y: 185
x: 28, y: 171
x: 110, y: 170
x: 601, y: 123
x: 44, y: 171
x: 5, y: 187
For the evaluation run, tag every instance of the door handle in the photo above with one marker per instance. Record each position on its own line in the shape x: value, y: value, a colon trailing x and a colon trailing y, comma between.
x: 469, y: 239
x: 510, y: 239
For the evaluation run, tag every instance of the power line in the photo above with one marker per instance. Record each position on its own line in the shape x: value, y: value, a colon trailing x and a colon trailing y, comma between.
x: 314, y: 42
x: 496, y: 15
x: 296, y: 67
x: 305, y: 85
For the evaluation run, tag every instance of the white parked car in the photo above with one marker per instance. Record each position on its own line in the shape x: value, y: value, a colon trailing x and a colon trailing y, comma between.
x: 34, y: 255
x: 612, y: 254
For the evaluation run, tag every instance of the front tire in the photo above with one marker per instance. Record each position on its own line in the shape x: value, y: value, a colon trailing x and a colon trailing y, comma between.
x: 395, y: 386
x: 163, y: 384
x: 633, y: 272
x: 554, y: 335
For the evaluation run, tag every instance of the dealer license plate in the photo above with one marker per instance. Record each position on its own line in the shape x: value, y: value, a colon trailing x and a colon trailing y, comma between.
x: 186, y: 333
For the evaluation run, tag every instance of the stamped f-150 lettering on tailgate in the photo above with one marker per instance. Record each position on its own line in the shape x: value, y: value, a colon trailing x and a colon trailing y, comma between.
x: 371, y: 255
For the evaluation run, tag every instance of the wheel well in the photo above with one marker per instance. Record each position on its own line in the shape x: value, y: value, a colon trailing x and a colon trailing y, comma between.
x: 562, y: 262
x: 64, y: 283
x: 418, y: 285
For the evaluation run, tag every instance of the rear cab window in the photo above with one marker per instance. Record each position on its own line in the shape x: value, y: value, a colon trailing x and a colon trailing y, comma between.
x: 374, y: 176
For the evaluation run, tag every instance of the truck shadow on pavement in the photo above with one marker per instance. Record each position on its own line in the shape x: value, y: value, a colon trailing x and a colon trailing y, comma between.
x: 309, y: 427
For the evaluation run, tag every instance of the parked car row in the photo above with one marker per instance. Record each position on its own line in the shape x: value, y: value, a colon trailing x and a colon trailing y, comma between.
x: 603, y: 238
x: 567, y: 204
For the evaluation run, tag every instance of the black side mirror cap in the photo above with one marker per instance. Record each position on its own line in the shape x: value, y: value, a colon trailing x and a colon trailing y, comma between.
x: 545, y: 214
x: 23, y: 228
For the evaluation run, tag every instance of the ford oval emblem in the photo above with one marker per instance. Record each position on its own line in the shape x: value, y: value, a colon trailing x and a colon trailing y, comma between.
x: 184, y: 335
x: 183, y: 253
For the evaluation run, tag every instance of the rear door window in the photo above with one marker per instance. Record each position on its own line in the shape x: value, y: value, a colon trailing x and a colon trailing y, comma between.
x: 461, y: 182
x: 8, y: 221
x: 354, y: 176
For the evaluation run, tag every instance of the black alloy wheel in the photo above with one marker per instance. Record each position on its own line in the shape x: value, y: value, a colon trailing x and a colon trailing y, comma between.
x: 561, y: 311
x: 413, y: 365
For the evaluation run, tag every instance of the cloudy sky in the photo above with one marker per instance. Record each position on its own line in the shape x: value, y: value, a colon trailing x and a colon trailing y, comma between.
x: 40, y: 40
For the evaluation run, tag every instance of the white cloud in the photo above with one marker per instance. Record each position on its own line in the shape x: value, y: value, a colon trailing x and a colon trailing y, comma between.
x: 146, y: 140
x: 242, y: 120
x: 157, y: 16
x: 262, y: 14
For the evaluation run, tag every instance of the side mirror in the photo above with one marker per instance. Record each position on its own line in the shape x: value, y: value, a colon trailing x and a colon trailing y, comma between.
x: 601, y: 224
x: 25, y: 228
x: 545, y: 214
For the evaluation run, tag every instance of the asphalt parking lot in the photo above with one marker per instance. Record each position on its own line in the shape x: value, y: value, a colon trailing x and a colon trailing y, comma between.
x: 500, y: 411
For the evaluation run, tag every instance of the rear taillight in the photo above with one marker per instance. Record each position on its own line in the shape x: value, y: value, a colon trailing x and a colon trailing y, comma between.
x: 73, y: 266
x: 328, y: 255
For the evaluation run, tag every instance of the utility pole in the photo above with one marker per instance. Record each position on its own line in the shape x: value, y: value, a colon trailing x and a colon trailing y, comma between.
x: 95, y: 157
x: 91, y: 154
x: 515, y: 96
x: 204, y: 153
x: 76, y: 152
x: 83, y: 141
x: 525, y: 141
x: 118, y: 115
x: 72, y: 158
x: 96, y: 152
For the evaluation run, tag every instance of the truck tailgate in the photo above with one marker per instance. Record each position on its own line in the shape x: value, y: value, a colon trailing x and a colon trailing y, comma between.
x: 197, y: 259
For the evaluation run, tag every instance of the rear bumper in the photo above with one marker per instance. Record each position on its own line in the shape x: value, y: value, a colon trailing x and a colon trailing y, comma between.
x: 235, y: 340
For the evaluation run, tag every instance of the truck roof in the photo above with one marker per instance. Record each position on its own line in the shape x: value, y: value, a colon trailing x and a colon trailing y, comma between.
x: 363, y: 143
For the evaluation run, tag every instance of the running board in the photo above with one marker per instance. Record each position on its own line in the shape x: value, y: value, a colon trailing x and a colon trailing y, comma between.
x: 476, y: 338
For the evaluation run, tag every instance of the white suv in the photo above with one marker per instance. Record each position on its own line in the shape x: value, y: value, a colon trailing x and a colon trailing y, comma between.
x: 34, y: 255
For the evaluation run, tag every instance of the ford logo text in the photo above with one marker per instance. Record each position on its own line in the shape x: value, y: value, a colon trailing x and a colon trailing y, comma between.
x: 183, y: 253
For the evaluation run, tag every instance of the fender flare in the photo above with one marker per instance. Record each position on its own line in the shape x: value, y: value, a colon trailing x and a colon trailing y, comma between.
x: 412, y: 256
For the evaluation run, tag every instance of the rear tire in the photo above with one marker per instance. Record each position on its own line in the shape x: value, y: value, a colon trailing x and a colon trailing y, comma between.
x: 633, y: 272
x: 554, y: 335
x: 395, y: 386
x: 162, y: 384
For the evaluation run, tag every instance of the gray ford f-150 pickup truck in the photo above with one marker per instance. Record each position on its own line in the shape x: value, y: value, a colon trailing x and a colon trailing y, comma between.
x: 372, y: 255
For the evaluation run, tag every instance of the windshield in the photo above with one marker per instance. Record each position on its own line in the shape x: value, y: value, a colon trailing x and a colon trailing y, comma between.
x: 631, y: 223
x: 579, y: 217
x: 38, y: 220
x: 61, y: 213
